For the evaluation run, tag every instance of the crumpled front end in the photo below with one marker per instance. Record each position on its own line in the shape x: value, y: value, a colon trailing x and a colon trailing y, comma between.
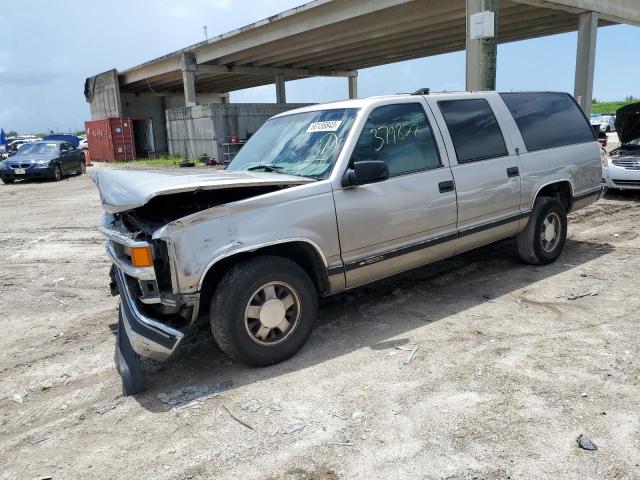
x: 154, y: 316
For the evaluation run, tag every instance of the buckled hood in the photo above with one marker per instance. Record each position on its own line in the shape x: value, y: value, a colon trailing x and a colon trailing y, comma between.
x: 126, y: 189
x: 628, y: 122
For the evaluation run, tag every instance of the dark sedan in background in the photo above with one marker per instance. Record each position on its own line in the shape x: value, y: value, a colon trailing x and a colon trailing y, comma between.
x: 42, y: 160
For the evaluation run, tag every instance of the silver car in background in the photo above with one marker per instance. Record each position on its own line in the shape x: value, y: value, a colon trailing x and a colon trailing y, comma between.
x: 621, y: 168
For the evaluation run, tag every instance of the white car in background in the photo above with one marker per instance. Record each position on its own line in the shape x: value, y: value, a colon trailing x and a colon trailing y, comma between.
x: 621, y: 169
x: 607, y: 122
x: 84, y: 144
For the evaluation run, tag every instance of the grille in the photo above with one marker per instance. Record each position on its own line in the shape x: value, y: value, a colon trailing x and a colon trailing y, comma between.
x: 20, y: 165
x: 627, y: 182
x: 627, y: 163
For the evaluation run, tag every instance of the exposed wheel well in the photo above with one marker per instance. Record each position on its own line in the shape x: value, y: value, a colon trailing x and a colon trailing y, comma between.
x: 559, y: 190
x: 300, y: 252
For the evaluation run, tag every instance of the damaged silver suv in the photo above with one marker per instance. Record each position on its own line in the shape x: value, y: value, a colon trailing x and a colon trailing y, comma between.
x: 331, y: 197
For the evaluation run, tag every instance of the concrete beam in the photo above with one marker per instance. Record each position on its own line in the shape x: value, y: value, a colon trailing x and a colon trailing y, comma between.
x: 618, y: 11
x: 353, y: 86
x: 585, y: 60
x: 268, y: 71
x: 188, y: 67
x: 281, y: 93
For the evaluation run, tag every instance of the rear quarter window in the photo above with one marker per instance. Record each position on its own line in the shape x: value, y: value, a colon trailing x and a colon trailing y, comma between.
x: 548, y: 120
x: 474, y: 129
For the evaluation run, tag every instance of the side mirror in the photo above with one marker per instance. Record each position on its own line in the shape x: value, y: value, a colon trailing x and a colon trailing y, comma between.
x: 365, y: 171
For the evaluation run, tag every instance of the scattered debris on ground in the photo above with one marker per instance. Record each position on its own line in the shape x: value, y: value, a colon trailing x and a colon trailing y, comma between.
x: 586, y: 443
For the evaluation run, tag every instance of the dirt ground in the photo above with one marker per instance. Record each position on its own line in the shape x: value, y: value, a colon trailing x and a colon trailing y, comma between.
x: 511, y: 367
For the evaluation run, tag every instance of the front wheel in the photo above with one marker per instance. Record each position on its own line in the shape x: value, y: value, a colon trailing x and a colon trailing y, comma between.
x: 543, y: 239
x: 263, y: 310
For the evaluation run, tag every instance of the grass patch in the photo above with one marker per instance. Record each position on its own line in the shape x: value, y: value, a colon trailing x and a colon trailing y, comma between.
x: 165, y: 161
x: 608, y: 107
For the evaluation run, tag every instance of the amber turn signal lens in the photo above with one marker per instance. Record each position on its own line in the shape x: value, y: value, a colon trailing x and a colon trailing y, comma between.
x: 141, y: 257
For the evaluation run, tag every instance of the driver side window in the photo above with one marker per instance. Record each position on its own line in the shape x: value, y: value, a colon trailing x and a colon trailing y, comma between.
x: 399, y: 135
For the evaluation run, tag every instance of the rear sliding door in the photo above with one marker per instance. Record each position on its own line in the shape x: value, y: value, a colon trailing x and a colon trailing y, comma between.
x: 485, y: 166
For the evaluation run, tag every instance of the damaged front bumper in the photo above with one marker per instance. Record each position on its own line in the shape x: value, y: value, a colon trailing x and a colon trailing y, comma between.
x: 148, y: 337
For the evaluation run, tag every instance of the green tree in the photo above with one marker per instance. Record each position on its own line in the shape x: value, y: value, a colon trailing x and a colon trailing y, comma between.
x: 12, y: 133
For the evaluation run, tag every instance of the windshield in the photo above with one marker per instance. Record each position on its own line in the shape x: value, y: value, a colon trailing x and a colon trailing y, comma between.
x: 302, y: 144
x: 38, y: 148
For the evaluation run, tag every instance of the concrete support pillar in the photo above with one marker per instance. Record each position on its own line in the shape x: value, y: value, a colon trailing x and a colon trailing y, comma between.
x: 189, y: 68
x: 481, y: 53
x: 585, y: 60
x: 353, y: 85
x: 281, y: 93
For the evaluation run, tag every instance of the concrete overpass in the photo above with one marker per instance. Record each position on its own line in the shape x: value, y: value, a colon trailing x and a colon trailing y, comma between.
x: 339, y: 37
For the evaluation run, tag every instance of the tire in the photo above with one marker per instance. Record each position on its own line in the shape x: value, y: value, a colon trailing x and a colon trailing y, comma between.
x: 548, y: 215
x: 243, y: 296
x: 8, y: 180
x: 83, y: 169
x: 57, y: 173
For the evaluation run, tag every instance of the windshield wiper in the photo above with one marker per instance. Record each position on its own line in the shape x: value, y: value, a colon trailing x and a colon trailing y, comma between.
x: 266, y: 168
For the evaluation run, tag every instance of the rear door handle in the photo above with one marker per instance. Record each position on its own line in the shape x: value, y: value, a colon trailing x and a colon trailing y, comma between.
x: 446, y: 186
x: 513, y: 172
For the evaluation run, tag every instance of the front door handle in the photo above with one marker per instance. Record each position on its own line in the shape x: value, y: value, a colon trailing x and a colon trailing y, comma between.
x: 446, y: 186
x: 513, y: 172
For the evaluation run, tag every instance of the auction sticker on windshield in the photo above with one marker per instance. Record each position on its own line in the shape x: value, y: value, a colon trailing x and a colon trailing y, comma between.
x: 328, y: 126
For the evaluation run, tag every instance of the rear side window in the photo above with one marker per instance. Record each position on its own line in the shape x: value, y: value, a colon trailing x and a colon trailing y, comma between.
x: 548, y: 120
x: 401, y: 136
x: 474, y: 129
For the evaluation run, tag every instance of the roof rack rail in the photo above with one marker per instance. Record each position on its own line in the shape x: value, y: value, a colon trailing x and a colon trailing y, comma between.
x: 421, y: 91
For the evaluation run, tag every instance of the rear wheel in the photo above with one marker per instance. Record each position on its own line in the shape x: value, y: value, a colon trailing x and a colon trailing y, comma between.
x: 8, y: 180
x: 83, y: 169
x: 57, y: 173
x: 543, y: 239
x: 263, y: 310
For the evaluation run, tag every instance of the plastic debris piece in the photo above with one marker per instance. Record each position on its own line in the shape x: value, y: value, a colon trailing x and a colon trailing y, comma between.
x: 252, y: 405
x: 104, y: 409
x: 236, y: 418
x: 36, y: 440
x: 296, y: 427
x: 187, y: 394
x: 410, y: 355
x: 586, y: 443
x: 575, y: 296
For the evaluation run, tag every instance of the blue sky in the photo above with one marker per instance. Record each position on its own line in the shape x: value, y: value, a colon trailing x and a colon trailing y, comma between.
x: 48, y: 48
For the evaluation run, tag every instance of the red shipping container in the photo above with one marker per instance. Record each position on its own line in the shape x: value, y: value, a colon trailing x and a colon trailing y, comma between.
x: 114, y: 139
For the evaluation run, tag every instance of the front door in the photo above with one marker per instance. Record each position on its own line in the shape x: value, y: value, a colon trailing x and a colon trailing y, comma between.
x: 409, y: 219
x: 485, y: 166
x: 66, y: 158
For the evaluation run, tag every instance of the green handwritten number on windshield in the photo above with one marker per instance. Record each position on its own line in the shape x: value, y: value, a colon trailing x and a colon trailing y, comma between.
x: 327, y: 144
x: 393, y: 134
x: 374, y: 132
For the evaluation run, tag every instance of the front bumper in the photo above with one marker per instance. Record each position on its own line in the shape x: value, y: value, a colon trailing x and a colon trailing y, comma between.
x: 33, y: 171
x: 147, y: 336
x: 620, y: 177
